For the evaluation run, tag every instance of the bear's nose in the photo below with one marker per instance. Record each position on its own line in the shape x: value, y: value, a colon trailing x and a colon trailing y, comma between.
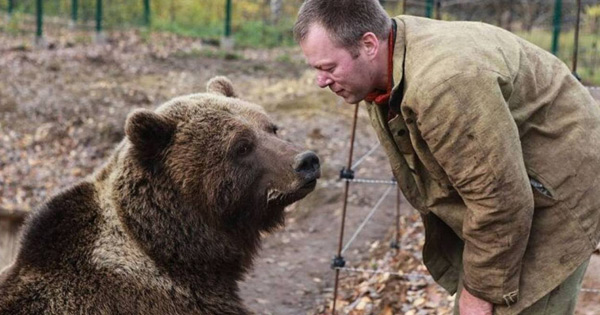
x: 307, y: 162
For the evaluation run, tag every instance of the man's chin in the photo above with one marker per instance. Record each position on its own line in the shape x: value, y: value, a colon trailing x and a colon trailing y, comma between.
x: 352, y: 99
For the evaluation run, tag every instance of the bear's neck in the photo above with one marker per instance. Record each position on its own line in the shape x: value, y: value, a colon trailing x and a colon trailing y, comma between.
x: 188, y: 249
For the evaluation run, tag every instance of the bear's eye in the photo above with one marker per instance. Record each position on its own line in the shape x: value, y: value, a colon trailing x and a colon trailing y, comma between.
x: 243, y: 148
x: 274, y: 129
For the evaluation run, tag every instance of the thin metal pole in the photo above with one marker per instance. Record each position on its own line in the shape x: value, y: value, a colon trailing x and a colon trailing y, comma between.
x: 438, y: 9
x: 346, y: 188
x: 556, y: 23
x: 576, y: 45
x: 11, y: 6
x: 404, y: 6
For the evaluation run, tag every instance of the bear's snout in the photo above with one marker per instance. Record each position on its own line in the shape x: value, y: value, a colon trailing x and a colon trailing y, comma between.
x: 306, y: 164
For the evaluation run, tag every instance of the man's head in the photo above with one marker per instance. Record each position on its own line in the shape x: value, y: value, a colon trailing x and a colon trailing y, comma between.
x: 342, y: 40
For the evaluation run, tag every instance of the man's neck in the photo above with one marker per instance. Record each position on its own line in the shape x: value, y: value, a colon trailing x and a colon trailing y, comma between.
x: 382, y: 66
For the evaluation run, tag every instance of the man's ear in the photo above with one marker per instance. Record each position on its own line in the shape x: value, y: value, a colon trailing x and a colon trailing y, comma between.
x: 221, y: 85
x: 149, y: 132
x: 370, y: 45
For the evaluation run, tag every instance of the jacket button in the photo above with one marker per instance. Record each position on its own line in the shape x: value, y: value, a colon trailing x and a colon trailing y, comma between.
x: 401, y: 132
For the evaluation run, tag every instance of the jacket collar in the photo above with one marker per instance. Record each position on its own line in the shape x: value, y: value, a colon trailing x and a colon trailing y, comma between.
x: 399, y: 54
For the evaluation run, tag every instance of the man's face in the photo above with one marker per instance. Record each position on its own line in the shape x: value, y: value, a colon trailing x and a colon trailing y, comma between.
x: 351, y: 78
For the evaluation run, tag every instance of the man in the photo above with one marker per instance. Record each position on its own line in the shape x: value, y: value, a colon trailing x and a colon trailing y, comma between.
x: 491, y: 139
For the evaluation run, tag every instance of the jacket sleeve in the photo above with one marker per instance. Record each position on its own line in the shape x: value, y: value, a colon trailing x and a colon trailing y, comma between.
x: 469, y: 129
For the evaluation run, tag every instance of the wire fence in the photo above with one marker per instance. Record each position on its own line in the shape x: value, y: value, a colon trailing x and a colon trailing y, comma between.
x: 251, y: 23
x: 551, y: 24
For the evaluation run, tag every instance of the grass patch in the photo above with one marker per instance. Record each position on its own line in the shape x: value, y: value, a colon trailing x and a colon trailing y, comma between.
x: 251, y: 34
x: 258, y: 34
x: 284, y: 58
x: 14, y: 25
x: 198, y: 31
x: 208, y: 53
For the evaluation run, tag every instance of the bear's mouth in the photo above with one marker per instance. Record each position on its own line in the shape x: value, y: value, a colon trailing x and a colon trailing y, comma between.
x: 309, y: 185
x: 282, y: 198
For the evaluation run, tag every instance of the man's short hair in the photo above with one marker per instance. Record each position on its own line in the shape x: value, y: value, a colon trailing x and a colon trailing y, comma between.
x: 346, y: 21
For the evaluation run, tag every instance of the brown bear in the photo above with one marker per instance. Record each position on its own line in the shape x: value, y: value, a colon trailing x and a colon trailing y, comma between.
x: 171, y: 222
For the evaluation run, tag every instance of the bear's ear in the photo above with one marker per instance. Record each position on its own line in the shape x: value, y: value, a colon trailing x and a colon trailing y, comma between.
x: 149, y: 132
x: 221, y: 85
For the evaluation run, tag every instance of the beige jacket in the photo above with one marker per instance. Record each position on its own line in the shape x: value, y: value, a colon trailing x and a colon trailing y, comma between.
x: 484, y: 115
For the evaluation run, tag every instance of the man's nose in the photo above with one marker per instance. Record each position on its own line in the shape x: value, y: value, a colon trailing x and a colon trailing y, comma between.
x: 323, y: 80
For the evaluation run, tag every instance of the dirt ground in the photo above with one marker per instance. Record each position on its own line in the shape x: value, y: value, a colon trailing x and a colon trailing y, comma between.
x: 62, y: 110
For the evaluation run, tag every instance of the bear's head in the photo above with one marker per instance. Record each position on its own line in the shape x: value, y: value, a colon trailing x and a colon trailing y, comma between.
x: 206, y: 173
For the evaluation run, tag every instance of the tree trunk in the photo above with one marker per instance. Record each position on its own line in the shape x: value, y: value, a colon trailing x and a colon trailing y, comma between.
x: 276, y: 11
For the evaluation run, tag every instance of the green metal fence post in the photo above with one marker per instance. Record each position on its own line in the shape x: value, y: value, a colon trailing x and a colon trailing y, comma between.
x: 556, y: 22
x: 429, y: 8
x: 147, y: 12
x: 99, y: 35
x: 74, y: 8
x: 228, y: 18
x: 227, y: 42
x: 98, y: 16
x: 39, y: 11
x: 11, y: 6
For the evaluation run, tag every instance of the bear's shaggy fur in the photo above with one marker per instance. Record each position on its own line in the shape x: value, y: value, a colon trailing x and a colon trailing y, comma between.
x: 170, y: 223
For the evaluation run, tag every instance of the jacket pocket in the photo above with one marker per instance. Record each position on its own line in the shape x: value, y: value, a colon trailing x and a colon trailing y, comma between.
x: 401, y: 135
x: 543, y: 195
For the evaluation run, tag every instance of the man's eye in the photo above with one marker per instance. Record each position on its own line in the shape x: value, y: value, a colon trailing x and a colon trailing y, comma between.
x: 325, y: 69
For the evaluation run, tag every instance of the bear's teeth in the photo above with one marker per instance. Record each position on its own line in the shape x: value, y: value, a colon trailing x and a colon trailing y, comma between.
x: 273, y: 194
